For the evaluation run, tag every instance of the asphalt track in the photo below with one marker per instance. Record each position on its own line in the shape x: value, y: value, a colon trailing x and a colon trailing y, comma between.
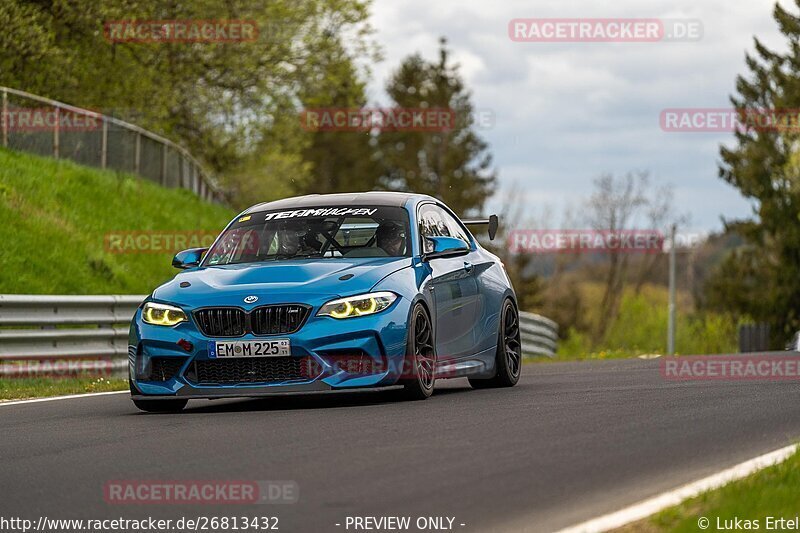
x: 572, y: 441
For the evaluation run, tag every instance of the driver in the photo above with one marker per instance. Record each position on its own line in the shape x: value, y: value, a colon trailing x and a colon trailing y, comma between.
x: 288, y: 242
x: 295, y: 238
x: 391, y: 238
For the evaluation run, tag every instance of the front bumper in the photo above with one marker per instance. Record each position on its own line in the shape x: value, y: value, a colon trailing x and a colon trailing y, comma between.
x: 324, y: 351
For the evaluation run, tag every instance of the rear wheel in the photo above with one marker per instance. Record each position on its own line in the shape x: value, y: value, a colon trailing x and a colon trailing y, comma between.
x: 508, y: 358
x: 421, y: 358
x: 161, y: 406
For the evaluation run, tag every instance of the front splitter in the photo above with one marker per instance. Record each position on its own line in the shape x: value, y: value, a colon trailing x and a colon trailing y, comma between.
x: 191, y: 393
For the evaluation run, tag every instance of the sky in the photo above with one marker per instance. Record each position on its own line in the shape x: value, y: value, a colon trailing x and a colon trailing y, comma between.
x: 564, y: 113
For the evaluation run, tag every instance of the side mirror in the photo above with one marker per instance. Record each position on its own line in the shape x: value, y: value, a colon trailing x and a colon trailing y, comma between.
x: 446, y: 247
x: 188, y: 258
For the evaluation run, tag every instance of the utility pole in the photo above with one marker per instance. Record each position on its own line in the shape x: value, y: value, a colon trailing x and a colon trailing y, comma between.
x: 671, y: 318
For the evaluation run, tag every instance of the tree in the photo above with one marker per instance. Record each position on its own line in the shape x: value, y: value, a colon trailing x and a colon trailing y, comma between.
x: 762, y: 279
x: 234, y: 104
x: 623, y: 204
x: 738, y: 284
x: 453, y: 165
x: 341, y: 161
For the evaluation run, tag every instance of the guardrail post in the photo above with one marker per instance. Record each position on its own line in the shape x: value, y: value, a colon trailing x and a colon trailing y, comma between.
x: 55, y: 132
x: 194, y: 174
x: 181, y: 169
x: 5, y: 117
x: 137, y: 153
x: 164, y: 153
x: 104, y: 145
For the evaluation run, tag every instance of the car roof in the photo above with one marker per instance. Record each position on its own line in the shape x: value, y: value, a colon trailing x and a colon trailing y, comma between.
x: 376, y: 198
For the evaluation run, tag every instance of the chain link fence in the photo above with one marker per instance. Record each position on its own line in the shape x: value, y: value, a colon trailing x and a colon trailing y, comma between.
x: 46, y: 127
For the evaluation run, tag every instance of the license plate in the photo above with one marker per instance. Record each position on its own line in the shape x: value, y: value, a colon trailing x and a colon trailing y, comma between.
x: 265, y: 348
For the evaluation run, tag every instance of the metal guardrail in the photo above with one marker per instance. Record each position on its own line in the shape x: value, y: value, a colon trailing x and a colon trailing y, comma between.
x: 539, y: 335
x: 87, y: 137
x: 41, y: 328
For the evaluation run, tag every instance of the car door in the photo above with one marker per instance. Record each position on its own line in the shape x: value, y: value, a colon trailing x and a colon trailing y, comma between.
x: 454, y: 287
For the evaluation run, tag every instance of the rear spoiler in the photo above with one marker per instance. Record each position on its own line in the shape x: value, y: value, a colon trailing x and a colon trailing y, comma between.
x: 492, y: 221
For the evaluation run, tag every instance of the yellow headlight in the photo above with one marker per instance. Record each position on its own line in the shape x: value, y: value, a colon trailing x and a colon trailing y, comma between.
x: 343, y: 310
x: 364, y: 304
x: 162, y: 314
x: 366, y: 307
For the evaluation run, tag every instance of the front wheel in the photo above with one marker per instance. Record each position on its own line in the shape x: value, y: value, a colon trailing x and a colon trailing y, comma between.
x: 160, y: 406
x: 421, y: 358
x: 508, y: 358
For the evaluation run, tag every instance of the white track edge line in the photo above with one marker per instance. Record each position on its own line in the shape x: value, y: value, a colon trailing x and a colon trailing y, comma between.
x: 55, y: 398
x: 658, y: 503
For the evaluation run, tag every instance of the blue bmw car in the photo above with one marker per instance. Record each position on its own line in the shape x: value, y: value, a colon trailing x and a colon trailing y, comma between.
x: 325, y: 293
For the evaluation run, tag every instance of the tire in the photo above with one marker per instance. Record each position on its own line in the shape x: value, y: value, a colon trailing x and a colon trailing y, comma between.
x: 421, y: 358
x: 161, y: 406
x: 508, y: 357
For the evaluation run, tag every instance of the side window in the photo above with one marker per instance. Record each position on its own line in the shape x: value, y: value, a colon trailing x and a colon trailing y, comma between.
x: 430, y: 225
x: 455, y: 228
x: 436, y: 222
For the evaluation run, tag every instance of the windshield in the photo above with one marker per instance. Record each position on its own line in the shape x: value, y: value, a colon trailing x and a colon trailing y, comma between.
x: 319, y: 232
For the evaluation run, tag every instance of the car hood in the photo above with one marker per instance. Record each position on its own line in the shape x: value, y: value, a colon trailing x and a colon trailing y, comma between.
x: 301, y: 281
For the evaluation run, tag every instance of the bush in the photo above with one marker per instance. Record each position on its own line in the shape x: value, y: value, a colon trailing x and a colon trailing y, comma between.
x: 641, y: 328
